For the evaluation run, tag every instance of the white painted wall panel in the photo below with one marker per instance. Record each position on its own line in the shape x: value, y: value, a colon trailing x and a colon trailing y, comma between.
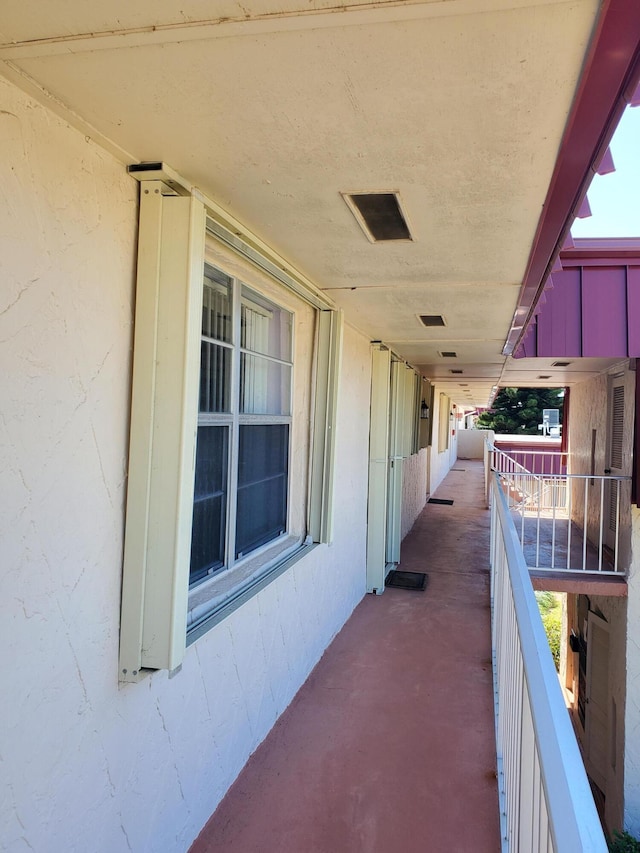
x: 588, y: 411
x: 441, y: 462
x: 89, y: 765
x: 414, y: 489
x: 471, y: 442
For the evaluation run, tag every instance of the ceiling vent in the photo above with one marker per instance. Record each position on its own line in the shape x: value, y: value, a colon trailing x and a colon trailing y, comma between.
x: 455, y: 371
x: 544, y: 377
x: 561, y: 364
x: 449, y: 354
x: 379, y: 215
x: 430, y: 320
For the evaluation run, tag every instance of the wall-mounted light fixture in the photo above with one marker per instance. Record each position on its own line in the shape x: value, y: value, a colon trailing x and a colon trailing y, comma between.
x: 424, y: 411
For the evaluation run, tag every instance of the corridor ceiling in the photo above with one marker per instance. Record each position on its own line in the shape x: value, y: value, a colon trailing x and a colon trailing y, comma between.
x: 275, y: 109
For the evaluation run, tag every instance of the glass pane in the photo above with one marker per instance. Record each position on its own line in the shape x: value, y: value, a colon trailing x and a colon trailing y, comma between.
x: 265, y: 386
x: 264, y: 327
x: 209, y: 501
x: 215, y: 378
x: 216, y: 305
x: 263, y: 465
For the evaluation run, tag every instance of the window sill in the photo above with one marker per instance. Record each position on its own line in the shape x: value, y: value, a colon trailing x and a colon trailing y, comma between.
x: 215, y: 599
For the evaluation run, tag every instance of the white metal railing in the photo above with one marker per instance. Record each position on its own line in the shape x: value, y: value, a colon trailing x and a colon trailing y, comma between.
x: 565, y: 522
x: 538, y: 461
x: 545, y: 799
x: 569, y: 523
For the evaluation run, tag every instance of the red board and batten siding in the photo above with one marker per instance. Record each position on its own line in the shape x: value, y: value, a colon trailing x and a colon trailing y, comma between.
x: 538, y: 455
x: 591, y: 310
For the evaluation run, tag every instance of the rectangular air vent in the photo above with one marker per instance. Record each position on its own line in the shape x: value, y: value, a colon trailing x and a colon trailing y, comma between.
x: 455, y: 371
x: 544, y: 377
x: 379, y: 215
x: 430, y: 320
x: 561, y: 364
x: 449, y: 354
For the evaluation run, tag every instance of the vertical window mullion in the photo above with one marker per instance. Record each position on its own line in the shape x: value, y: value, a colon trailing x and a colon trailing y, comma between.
x: 232, y: 505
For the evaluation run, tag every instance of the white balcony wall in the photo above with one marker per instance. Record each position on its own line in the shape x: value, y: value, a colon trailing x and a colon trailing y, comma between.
x: 88, y: 764
x: 589, y: 412
x: 471, y: 442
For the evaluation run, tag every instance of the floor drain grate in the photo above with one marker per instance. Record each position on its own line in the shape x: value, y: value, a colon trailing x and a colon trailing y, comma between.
x: 407, y: 580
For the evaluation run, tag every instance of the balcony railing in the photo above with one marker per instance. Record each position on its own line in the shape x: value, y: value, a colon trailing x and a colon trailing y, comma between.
x: 545, y: 799
x: 567, y: 522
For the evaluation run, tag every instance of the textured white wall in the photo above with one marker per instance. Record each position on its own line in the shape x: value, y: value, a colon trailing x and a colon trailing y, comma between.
x: 414, y: 489
x: 88, y: 765
x: 589, y: 408
x: 471, y: 443
x: 440, y: 463
x: 589, y: 411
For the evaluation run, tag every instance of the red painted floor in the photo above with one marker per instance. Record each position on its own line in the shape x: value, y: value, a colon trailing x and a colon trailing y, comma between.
x: 389, y: 745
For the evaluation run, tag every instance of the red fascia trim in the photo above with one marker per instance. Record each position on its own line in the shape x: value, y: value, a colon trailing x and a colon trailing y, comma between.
x: 602, y: 250
x: 607, y: 84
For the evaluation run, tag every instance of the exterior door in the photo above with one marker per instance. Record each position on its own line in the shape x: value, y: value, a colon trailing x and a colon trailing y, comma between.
x: 614, y: 459
x: 597, y: 701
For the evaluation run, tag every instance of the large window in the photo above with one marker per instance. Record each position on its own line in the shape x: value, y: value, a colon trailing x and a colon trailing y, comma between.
x: 244, y: 424
x: 231, y: 453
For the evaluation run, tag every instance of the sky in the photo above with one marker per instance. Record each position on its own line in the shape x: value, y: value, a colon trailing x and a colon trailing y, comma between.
x: 615, y: 198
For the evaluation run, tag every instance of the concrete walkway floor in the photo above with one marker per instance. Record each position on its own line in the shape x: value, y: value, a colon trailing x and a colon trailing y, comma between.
x: 389, y: 745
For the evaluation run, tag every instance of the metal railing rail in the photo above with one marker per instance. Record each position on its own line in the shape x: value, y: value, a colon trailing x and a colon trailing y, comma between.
x: 565, y: 512
x: 538, y: 461
x: 526, y: 486
x: 561, y: 517
x: 545, y: 799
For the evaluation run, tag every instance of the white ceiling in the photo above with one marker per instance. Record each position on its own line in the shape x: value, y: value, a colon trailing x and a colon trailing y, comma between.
x: 275, y: 108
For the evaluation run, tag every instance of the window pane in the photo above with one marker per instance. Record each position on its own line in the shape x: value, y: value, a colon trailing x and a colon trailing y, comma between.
x: 209, y: 501
x: 265, y: 386
x: 216, y: 305
x: 263, y: 465
x: 265, y: 328
x: 215, y: 378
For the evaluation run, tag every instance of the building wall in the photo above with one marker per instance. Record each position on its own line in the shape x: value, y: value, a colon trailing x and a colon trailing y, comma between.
x: 589, y: 410
x: 471, y: 442
x: 632, y: 709
x: 588, y: 413
x: 414, y: 489
x: 614, y: 611
x: 441, y: 460
x: 92, y: 765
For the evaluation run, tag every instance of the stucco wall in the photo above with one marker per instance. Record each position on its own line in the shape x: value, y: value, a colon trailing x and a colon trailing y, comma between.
x: 614, y: 610
x: 589, y: 410
x: 414, y: 489
x: 471, y: 442
x: 441, y: 461
x: 632, y: 710
x: 89, y: 765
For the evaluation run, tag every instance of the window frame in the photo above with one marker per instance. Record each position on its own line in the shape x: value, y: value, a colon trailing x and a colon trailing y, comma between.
x: 234, y: 418
x: 174, y: 221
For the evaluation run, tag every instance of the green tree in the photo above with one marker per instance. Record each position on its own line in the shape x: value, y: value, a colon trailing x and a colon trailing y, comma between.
x: 518, y: 411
